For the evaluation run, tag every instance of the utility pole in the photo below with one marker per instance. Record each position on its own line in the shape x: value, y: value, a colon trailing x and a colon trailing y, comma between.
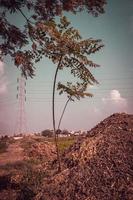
x: 21, y: 125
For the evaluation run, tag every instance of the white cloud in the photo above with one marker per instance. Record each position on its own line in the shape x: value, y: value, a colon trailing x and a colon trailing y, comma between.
x: 3, y: 79
x: 94, y: 112
x: 115, y: 95
x: 115, y: 102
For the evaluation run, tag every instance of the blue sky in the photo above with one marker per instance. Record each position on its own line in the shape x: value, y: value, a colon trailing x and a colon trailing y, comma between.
x: 113, y: 94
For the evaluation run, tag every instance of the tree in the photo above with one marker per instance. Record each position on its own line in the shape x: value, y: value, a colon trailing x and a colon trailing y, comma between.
x: 63, y: 45
x: 59, y: 42
x: 47, y: 133
x: 65, y: 132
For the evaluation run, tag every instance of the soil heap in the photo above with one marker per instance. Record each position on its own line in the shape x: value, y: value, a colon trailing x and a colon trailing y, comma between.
x: 39, y: 149
x: 20, y: 179
x: 98, y: 167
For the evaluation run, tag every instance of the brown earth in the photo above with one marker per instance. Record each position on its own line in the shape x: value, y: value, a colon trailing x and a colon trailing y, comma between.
x: 99, y: 167
x: 23, y: 166
x: 13, y: 154
x: 37, y: 148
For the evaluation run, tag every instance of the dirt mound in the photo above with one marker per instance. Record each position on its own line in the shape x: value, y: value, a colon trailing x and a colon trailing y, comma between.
x: 13, y: 154
x: 39, y: 149
x: 99, y: 167
x: 23, y: 167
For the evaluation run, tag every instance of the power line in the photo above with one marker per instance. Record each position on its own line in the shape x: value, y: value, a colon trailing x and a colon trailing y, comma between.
x: 100, y: 78
x: 43, y: 91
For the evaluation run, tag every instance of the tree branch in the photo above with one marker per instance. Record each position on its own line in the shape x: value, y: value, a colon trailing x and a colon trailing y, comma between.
x: 23, y: 15
x: 63, y: 112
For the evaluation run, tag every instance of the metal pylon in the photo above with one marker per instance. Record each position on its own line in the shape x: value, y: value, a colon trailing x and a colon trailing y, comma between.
x: 21, y: 122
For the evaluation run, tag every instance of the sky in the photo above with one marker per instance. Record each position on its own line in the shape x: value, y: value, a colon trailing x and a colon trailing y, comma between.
x: 115, y: 75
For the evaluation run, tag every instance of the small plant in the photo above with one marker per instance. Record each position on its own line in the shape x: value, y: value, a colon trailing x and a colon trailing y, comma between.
x: 64, y: 143
x: 3, y: 144
x: 3, y: 147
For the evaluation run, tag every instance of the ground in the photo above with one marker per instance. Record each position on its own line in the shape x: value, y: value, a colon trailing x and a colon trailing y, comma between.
x: 13, y: 154
x: 24, y: 163
x: 98, y: 166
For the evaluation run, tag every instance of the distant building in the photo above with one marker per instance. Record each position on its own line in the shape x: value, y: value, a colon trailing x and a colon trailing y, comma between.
x: 17, y: 137
x: 76, y: 133
x: 62, y: 135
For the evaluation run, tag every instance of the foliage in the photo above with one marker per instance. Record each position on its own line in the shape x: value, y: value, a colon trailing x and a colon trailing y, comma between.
x: 3, y: 146
x: 64, y: 46
x: 50, y: 8
x: 65, y: 132
x: 4, y: 143
x: 76, y: 91
x: 47, y: 133
x: 15, y: 39
x: 65, y: 143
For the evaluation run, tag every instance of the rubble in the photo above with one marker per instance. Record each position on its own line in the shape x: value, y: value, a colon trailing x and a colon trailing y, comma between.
x: 42, y: 150
x: 21, y: 179
x: 99, y: 167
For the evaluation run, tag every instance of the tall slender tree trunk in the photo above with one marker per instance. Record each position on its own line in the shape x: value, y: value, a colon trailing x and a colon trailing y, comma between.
x: 53, y: 114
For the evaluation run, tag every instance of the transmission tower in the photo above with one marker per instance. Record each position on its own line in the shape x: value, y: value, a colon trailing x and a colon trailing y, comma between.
x: 21, y: 125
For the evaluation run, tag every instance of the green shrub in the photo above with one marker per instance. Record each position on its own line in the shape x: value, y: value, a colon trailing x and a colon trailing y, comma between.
x: 65, y: 142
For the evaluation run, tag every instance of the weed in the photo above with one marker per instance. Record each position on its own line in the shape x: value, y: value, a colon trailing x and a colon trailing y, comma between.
x: 3, y: 146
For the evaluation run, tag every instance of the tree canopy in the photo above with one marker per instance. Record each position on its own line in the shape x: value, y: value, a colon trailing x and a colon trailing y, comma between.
x: 15, y: 39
